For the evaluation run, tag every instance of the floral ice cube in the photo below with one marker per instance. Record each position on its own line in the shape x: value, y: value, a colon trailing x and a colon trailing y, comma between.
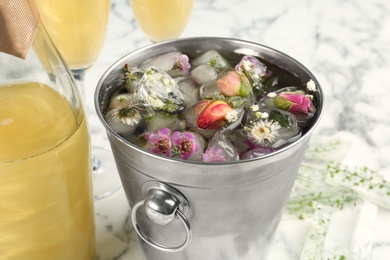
x: 208, y: 116
x: 212, y: 58
x: 161, y: 119
x: 188, y: 145
x: 160, y: 91
x: 121, y: 100
x: 234, y: 83
x: 131, y: 77
x: 252, y: 68
x: 256, y: 152
x: 220, y: 149
x: 174, y: 63
x: 294, y: 101
x: 123, y: 120
x: 159, y: 142
x: 270, y: 128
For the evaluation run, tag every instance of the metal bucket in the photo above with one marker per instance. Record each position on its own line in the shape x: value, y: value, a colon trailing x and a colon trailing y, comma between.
x: 194, y: 210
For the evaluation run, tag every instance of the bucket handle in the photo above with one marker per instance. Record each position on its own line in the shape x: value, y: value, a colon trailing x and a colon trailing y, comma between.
x: 162, y: 205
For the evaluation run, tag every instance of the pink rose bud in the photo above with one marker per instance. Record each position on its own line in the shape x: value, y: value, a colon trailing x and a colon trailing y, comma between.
x: 294, y: 102
x: 211, y: 114
x: 234, y: 83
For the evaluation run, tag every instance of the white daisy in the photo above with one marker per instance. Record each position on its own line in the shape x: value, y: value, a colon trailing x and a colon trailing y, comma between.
x: 264, y: 131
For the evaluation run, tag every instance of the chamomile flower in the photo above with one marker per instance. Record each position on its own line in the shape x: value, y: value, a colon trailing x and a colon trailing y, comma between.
x: 264, y: 131
x: 123, y: 120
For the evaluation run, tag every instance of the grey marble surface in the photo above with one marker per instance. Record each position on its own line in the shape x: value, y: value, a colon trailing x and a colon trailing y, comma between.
x: 346, y: 44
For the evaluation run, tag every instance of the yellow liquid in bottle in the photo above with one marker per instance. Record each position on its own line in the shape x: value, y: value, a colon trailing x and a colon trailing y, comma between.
x: 162, y: 19
x: 46, y: 204
x: 77, y: 27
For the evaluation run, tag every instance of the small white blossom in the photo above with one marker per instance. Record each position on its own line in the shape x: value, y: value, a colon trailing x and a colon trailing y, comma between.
x: 231, y: 116
x: 272, y: 95
x: 262, y: 115
x: 310, y: 85
x: 264, y: 131
x: 254, y: 107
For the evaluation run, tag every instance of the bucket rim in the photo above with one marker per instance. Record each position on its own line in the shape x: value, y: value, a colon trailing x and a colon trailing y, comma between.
x: 249, y: 46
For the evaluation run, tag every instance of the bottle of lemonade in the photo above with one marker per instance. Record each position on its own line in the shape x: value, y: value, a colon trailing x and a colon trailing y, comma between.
x: 46, y: 204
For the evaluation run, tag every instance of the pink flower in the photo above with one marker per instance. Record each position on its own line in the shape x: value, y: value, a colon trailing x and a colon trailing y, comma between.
x: 211, y: 114
x: 186, y: 144
x: 160, y: 142
x: 183, y: 63
x: 294, y: 102
x: 234, y: 83
x: 214, y: 154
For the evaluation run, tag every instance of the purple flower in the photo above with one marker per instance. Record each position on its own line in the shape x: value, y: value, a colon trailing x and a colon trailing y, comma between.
x: 214, y: 154
x: 186, y: 144
x: 256, y: 152
x: 160, y: 142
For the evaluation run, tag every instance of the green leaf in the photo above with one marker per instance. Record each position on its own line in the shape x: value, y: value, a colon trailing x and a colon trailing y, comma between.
x: 282, y: 119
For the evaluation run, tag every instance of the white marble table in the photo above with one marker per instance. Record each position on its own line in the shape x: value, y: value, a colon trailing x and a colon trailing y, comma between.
x: 346, y: 44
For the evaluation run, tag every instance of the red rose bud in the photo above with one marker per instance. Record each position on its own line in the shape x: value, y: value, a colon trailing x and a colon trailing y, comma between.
x: 294, y: 102
x: 234, y: 83
x: 211, y: 115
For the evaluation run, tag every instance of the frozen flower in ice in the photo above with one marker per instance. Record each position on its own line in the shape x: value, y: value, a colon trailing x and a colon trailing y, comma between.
x: 131, y: 78
x: 212, y: 58
x: 294, y: 102
x: 256, y: 152
x: 123, y: 120
x: 188, y: 145
x: 159, y: 142
x: 174, y: 63
x: 160, y: 91
x: 231, y: 116
x: 183, y: 63
x: 311, y: 85
x: 252, y: 68
x: 211, y: 114
x: 234, y: 83
x: 220, y: 149
x: 214, y: 154
x: 263, y: 131
x: 121, y: 100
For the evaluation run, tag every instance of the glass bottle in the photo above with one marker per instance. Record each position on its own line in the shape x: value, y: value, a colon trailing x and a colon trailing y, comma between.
x: 46, y: 202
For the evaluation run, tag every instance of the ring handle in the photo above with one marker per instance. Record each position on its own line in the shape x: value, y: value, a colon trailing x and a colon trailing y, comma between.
x: 162, y: 205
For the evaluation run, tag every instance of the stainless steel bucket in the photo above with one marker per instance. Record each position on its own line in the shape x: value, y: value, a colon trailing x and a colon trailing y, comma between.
x: 193, y: 210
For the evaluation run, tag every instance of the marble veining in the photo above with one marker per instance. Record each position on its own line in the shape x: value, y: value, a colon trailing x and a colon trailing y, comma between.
x: 346, y: 44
